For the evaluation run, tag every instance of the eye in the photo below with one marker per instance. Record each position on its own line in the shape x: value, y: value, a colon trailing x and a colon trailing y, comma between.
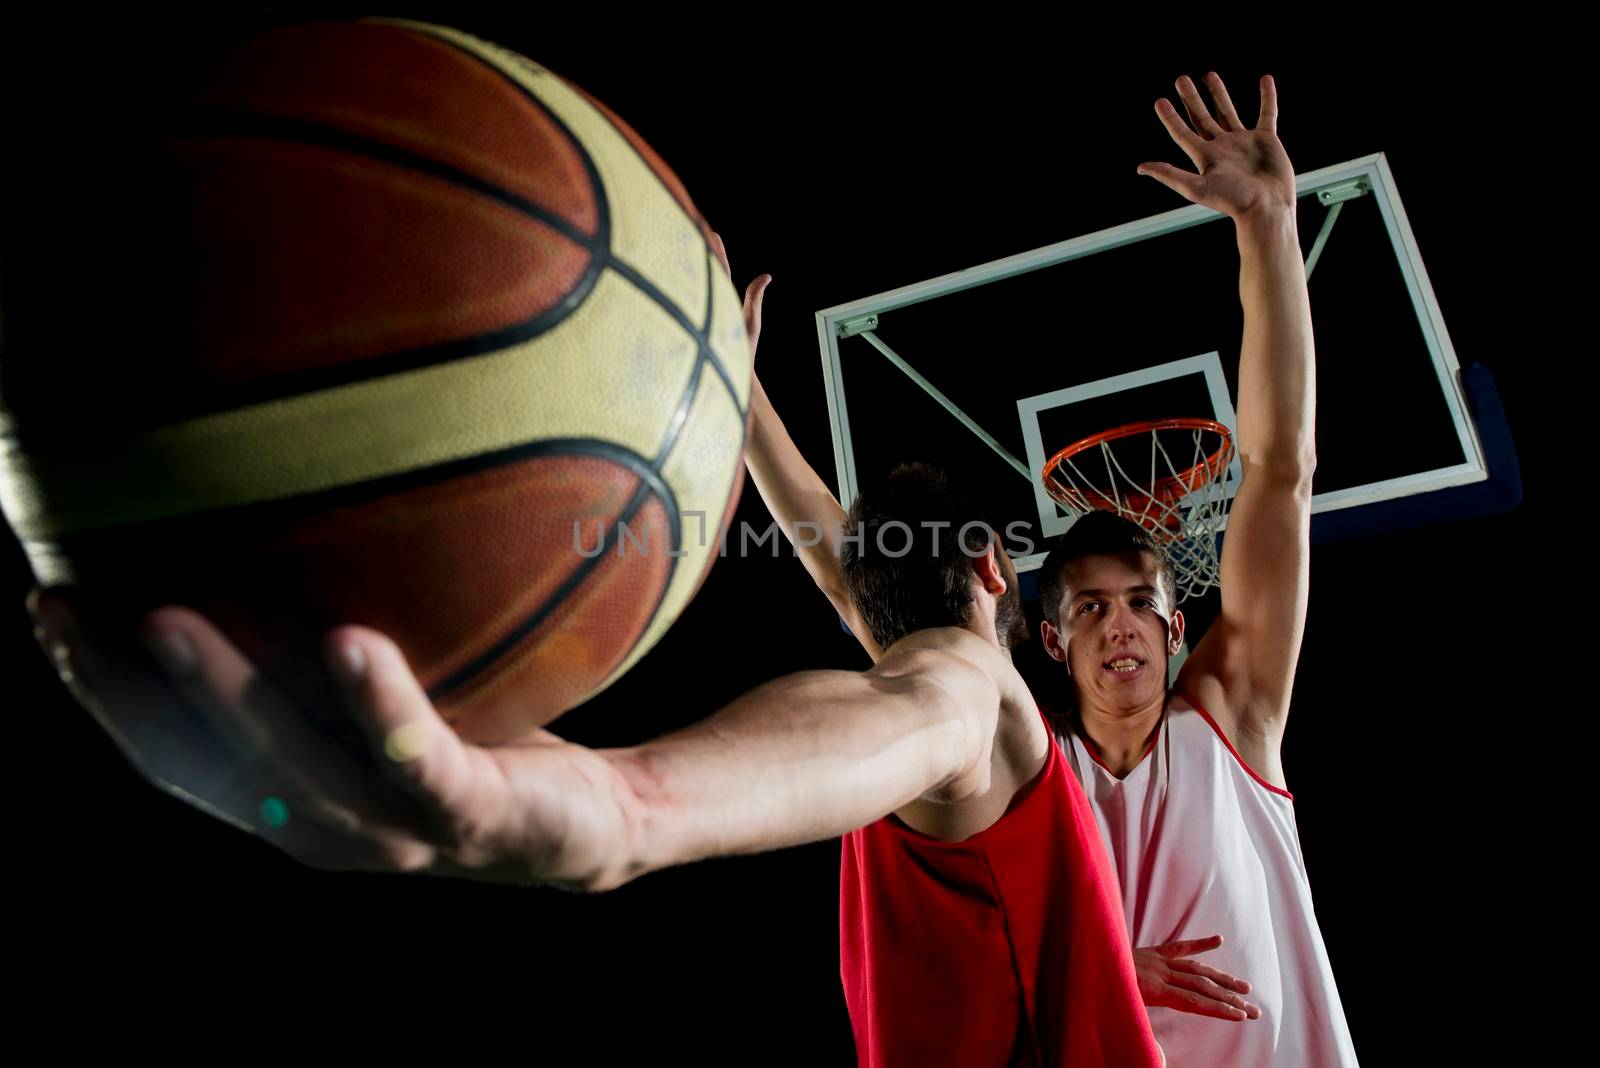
x: 1084, y: 608
x: 1147, y: 602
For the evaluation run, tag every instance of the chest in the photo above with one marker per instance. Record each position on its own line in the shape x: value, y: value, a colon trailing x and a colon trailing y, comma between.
x: 1193, y: 841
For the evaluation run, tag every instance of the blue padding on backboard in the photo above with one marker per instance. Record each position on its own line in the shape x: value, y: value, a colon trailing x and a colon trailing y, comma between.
x: 1501, y: 492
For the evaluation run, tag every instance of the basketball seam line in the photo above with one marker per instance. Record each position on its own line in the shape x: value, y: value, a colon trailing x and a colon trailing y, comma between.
x: 694, y: 219
x: 649, y: 481
x: 622, y: 268
x: 299, y: 131
x: 218, y: 122
x: 701, y: 335
x: 601, y: 256
x: 463, y: 677
x: 282, y: 386
x: 363, y: 492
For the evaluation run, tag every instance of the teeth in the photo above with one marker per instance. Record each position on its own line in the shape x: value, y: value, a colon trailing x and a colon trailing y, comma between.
x: 1124, y: 665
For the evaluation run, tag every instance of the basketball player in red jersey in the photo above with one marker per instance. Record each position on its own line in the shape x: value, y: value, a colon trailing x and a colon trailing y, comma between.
x: 911, y: 902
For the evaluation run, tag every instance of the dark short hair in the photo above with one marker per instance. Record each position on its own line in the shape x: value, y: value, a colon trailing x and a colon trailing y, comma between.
x: 928, y: 585
x: 1100, y: 533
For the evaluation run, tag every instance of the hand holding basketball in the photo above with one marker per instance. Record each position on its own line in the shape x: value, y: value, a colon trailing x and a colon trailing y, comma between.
x: 537, y: 810
x: 1242, y: 171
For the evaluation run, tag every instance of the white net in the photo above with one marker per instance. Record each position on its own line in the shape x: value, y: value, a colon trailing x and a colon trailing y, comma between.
x: 1183, y: 507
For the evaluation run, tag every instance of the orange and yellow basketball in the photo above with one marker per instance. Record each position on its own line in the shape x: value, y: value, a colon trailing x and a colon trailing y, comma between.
x: 413, y: 334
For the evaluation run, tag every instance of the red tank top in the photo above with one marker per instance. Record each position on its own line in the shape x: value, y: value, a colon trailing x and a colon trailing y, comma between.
x: 1006, y: 949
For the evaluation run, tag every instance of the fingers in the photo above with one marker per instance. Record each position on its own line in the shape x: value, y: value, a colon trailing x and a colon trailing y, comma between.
x: 1199, y: 117
x: 1189, y: 947
x: 1186, y: 138
x: 1227, y: 116
x: 282, y: 752
x: 164, y: 741
x: 1186, y: 184
x: 754, y: 294
x: 722, y: 253
x: 1223, y: 1004
x: 82, y: 665
x: 1216, y: 975
x: 175, y: 748
x: 231, y: 746
x: 1269, y: 104
x: 1191, y: 1001
x: 411, y: 742
x: 318, y: 846
x: 1204, y: 127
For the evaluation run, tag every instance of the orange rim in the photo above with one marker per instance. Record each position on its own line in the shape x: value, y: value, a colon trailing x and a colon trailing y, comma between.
x: 1166, y: 490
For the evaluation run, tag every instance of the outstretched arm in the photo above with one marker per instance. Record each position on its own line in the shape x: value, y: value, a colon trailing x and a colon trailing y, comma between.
x: 1244, y: 667
x: 845, y: 749
x: 800, y: 502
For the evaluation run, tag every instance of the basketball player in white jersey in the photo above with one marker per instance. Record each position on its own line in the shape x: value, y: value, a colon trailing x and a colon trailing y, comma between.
x: 1188, y: 790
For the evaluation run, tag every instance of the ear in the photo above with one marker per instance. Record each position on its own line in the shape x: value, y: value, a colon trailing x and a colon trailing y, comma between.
x: 1055, y: 643
x: 1175, y: 633
x: 990, y: 574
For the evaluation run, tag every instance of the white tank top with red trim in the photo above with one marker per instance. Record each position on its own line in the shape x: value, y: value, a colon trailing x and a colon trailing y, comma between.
x: 1204, y: 846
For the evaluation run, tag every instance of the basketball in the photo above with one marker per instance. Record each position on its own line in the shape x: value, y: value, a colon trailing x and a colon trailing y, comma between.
x: 383, y: 324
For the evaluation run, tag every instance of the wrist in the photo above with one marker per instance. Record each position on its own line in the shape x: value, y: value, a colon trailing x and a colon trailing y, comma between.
x: 1267, y: 226
x: 633, y: 846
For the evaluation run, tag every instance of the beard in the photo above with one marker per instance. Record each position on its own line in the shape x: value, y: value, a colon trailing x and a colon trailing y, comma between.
x: 1010, y: 622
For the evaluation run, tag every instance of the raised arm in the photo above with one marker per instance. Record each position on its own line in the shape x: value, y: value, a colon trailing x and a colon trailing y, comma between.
x: 1243, y: 669
x: 802, y: 505
x: 845, y: 749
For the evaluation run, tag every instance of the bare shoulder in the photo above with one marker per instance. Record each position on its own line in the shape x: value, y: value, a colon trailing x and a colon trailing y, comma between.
x: 1005, y: 741
x: 973, y: 669
x: 954, y: 641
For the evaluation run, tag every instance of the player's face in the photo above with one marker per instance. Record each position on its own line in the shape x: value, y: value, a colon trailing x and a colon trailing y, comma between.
x: 1114, y: 619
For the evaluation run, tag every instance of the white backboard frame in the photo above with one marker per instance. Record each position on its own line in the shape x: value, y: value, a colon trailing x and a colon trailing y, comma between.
x: 1374, y: 168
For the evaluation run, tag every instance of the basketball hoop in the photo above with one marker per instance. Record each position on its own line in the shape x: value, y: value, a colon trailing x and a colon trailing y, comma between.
x: 1184, y: 509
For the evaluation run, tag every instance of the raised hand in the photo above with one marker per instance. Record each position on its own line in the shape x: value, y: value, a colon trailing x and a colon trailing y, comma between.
x: 1239, y: 170
x: 753, y: 294
x: 1169, y: 979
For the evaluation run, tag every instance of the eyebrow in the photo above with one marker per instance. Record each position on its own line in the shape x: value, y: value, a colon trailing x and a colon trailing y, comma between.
x: 1106, y: 593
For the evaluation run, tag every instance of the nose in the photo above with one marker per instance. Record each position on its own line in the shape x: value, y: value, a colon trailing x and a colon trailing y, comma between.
x: 1119, y: 623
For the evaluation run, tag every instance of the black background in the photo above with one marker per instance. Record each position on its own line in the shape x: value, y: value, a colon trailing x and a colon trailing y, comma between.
x: 846, y: 162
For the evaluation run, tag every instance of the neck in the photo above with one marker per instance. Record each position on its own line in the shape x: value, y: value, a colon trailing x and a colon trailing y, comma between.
x: 1121, y: 739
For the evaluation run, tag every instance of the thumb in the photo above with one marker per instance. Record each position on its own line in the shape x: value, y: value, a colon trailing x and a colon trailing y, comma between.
x: 1189, y: 947
x: 1185, y: 183
x: 754, y: 295
x: 722, y: 252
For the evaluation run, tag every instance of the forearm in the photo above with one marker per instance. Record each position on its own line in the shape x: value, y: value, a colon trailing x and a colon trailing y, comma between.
x: 803, y: 758
x: 1277, y: 368
x: 800, y: 502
